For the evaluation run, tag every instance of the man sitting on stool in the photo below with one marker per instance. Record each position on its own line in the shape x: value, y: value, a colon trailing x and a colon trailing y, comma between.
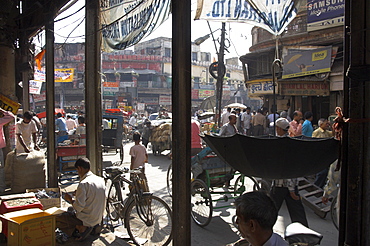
x: 88, y: 204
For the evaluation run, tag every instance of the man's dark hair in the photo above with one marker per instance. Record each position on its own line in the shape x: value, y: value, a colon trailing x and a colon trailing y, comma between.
x: 59, y: 115
x: 244, y: 110
x: 295, y: 113
x: 81, y: 119
x: 136, y: 136
x: 237, y: 109
x: 228, y: 109
x: 28, y: 115
x: 69, y: 117
x: 308, y: 115
x: 259, y: 206
x: 83, y: 162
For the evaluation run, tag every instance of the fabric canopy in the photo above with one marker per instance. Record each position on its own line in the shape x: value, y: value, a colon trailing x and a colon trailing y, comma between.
x: 273, y: 157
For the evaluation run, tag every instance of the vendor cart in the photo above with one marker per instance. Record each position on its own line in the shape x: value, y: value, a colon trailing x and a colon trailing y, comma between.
x: 160, y: 138
x: 66, y: 158
x: 113, y: 133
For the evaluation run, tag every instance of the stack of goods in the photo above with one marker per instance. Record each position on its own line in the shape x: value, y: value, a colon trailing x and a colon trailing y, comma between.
x: 161, y: 137
x: 208, y: 127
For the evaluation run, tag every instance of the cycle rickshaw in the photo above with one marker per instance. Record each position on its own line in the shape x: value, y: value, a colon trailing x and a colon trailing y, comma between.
x: 254, y: 159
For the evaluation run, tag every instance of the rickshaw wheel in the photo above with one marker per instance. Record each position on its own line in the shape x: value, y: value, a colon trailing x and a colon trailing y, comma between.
x: 201, y: 203
x: 245, y: 184
x: 121, y: 152
x: 169, y: 180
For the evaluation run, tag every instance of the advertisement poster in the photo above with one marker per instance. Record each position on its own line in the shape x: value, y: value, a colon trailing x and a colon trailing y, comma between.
x: 324, y: 14
x: 307, y: 62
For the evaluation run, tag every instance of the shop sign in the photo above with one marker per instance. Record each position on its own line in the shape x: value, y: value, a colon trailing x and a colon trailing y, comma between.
x: 8, y: 104
x: 35, y: 86
x: 308, y: 62
x: 149, y: 100
x: 110, y: 84
x: 304, y: 89
x: 258, y: 88
x: 324, y: 14
x: 39, y: 98
x: 205, y: 93
x: 194, y: 94
x: 126, y: 84
x: 60, y: 75
x: 165, y: 100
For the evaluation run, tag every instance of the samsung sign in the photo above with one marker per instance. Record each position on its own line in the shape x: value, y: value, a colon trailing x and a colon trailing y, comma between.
x: 323, y: 14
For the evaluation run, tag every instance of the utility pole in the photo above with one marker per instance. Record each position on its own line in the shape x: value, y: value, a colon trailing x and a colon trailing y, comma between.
x: 220, y: 75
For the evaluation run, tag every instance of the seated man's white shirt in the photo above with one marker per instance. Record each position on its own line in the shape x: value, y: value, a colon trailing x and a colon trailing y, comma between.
x: 90, y: 199
x: 276, y: 240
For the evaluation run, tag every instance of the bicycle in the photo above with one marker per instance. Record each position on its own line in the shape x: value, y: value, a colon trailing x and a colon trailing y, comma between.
x: 147, y: 218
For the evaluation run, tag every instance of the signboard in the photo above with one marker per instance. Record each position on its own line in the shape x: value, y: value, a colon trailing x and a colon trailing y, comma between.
x: 259, y: 87
x: 39, y: 98
x: 304, y: 89
x: 126, y: 84
x: 110, y: 84
x: 324, y: 14
x: 226, y: 92
x: 271, y: 15
x: 165, y: 100
x: 61, y: 75
x: 125, y: 23
x: 35, y: 87
x: 194, y: 94
x: 205, y: 93
x: 8, y: 104
x: 141, y: 106
x: 302, y: 63
x: 149, y: 100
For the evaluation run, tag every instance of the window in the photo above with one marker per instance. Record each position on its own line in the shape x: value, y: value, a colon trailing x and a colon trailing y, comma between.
x: 167, y: 52
x: 194, y: 56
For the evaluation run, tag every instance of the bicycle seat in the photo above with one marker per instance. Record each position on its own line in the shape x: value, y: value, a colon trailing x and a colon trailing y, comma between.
x: 114, y: 170
x: 298, y: 233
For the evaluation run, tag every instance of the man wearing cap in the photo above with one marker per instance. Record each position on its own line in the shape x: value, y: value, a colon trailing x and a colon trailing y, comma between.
x: 287, y: 189
x: 229, y: 128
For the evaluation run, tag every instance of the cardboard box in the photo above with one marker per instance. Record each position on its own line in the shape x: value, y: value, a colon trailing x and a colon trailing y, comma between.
x: 48, y: 202
x: 32, y: 227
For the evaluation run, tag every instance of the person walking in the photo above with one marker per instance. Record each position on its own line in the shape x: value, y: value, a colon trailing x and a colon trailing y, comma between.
x: 307, y: 128
x: 295, y: 128
x: 259, y: 123
x: 247, y: 121
x: 5, y: 118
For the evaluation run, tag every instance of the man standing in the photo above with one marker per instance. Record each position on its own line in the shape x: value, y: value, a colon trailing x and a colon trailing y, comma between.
x: 88, y: 204
x: 295, y: 128
x: 133, y: 120
x: 60, y: 125
x: 307, y: 128
x: 26, y: 133
x: 287, y: 189
x: 5, y: 118
x: 70, y: 123
x: 322, y: 132
x: 229, y: 128
x: 225, y: 116
x: 271, y: 120
x: 239, y: 120
x: 259, y: 123
x: 247, y: 120
x: 256, y: 215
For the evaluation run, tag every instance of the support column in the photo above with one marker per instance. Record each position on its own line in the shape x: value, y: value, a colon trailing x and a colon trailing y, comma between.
x: 93, y: 98
x: 181, y: 104
x: 50, y: 105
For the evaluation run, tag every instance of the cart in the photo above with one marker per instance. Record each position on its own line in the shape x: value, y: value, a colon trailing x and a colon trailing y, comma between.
x: 212, y: 184
x: 160, y: 137
x: 114, y: 136
x: 66, y: 157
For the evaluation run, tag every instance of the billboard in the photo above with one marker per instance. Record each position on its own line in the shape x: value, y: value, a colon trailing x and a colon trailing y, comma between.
x: 304, y: 88
x: 323, y: 14
x: 299, y: 63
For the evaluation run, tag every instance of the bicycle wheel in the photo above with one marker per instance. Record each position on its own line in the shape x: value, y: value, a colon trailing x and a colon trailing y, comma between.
x: 149, y: 221
x: 169, y: 179
x: 245, y: 184
x: 334, y: 212
x: 121, y: 152
x: 201, y: 203
x: 114, y: 204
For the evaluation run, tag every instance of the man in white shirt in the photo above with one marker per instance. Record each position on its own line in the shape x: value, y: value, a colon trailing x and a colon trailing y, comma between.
x: 89, y: 204
x: 256, y: 215
x: 71, y: 124
x: 225, y: 116
x: 247, y: 121
x: 26, y: 131
x: 229, y: 129
x: 133, y: 120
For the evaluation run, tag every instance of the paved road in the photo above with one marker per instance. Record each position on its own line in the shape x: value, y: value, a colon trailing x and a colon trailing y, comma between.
x: 221, y: 231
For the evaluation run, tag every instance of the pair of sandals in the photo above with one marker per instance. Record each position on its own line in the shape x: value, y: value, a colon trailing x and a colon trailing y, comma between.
x: 79, y: 237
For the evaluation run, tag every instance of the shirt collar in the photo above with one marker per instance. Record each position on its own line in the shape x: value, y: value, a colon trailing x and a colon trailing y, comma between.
x: 89, y: 173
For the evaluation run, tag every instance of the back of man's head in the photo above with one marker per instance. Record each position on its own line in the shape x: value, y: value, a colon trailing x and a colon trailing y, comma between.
x: 257, y: 205
x: 136, y: 136
x: 83, y: 162
x: 28, y: 115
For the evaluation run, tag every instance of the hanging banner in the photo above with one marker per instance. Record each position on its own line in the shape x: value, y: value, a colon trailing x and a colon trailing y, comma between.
x: 308, y: 62
x: 125, y: 23
x: 271, y: 15
x: 35, y: 87
x: 61, y: 75
x: 324, y: 14
x: 8, y: 104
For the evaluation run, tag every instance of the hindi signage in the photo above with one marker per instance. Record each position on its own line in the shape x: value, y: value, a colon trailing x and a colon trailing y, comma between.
x: 205, y: 93
x: 304, y: 89
x: 259, y: 87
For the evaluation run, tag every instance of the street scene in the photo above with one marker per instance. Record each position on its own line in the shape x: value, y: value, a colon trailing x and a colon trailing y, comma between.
x: 194, y: 122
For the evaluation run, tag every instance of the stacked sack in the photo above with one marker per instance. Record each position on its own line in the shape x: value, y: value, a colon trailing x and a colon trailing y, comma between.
x: 161, y: 133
